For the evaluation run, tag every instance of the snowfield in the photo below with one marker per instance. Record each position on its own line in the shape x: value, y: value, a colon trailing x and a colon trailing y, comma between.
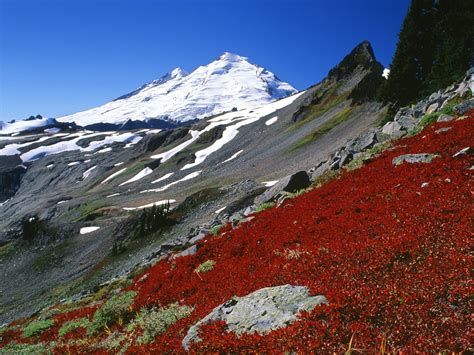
x: 26, y: 125
x: 228, y: 82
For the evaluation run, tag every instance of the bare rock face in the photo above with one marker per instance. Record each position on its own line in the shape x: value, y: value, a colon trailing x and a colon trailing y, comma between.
x: 262, y: 311
x: 291, y: 183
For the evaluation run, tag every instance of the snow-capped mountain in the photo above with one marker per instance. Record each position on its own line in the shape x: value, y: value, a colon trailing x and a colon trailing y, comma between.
x: 229, y: 82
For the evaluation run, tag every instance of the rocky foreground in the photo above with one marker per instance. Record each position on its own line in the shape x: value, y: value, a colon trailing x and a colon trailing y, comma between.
x: 374, y: 258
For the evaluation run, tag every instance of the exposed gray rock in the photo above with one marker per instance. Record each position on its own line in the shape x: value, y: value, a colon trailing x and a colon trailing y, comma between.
x: 445, y: 118
x: 393, y: 129
x: 442, y: 130
x: 464, y: 151
x: 291, y: 183
x: 190, y: 251
x: 320, y: 169
x: 463, y: 107
x: 363, y: 142
x: 198, y: 237
x: 249, y: 210
x: 414, y: 158
x: 262, y: 311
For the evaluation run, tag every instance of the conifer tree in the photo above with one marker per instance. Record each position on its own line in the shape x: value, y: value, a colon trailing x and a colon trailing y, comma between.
x: 414, y: 54
x: 454, y: 45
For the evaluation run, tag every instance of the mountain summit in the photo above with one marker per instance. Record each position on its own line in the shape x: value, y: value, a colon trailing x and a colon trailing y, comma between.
x: 229, y: 81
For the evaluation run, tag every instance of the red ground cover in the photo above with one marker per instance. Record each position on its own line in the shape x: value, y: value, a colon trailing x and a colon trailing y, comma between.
x: 392, y: 257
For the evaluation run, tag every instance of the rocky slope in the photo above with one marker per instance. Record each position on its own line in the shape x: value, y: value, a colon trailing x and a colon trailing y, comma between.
x: 73, y: 180
x: 376, y: 259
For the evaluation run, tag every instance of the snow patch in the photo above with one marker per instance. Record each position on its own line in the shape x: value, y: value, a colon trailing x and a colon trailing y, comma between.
x: 116, y: 194
x: 164, y: 177
x: 140, y: 175
x: 233, y: 156
x: 19, y: 126
x: 271, y: 121
x: 269, y: 183
x: 220, y: 210
x: 187, y: 177
x: 114, y: 175
x: 85, y: 230
x: 86, y: 173
x: 158, y: 203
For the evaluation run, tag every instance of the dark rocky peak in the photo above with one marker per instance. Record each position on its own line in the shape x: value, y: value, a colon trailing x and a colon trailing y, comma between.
x: 362, y: 56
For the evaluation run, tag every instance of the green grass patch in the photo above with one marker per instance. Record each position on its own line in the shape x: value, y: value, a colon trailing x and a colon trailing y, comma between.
x: 155, y: 321
x: 215, y: 230
x: 316, y: 110
x: 367, y: 155
x: 264, y: 206
x: 6, y: 250
x: 37, y: 327
x: 325, y: 178
x: 323, y: 129
x: 205, y: 266
x: 112, y: 311
x: 73, y: 325
x: 22, y: 348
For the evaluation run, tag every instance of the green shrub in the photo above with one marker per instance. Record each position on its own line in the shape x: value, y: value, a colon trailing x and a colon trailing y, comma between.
x: 366, y: 155
x: 215, y: 230
x: 264, y: 206
x: 325, y: 177
x: 112, y: 311
x: 114, y: 341
x: 155, y: 321
x: 205, y: 266
x: 22, y: 348
x: 73, y: 325
x: 37, y: 327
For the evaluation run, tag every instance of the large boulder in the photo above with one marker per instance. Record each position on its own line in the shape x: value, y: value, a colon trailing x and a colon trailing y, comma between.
x: 393, y: 129
x: 292, y: 183
x: 464, y: 107
x: 260, y: 312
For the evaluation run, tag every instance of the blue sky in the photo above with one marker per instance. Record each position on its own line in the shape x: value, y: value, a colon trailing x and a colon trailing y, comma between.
x: 63, y: 56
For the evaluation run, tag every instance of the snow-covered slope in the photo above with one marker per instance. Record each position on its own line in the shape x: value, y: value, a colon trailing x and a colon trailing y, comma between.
x: 228, y: 82
x: 26, y: 125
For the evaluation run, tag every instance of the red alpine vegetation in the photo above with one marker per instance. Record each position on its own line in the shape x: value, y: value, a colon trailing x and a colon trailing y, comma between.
x: 392, y: 258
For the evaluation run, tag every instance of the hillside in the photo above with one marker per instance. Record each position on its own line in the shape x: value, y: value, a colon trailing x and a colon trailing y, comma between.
x: 386, y: 246
x: 75, y: 180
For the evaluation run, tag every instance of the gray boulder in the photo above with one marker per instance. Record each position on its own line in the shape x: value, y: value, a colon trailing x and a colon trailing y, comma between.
x: 393, y: 129
x: 361, y: 143
x: 292, y: 183
x: 262, y: 311
x: 189, y: 251
x: 463, y: 107
x: 414, y: 158
x: 445, y: 118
